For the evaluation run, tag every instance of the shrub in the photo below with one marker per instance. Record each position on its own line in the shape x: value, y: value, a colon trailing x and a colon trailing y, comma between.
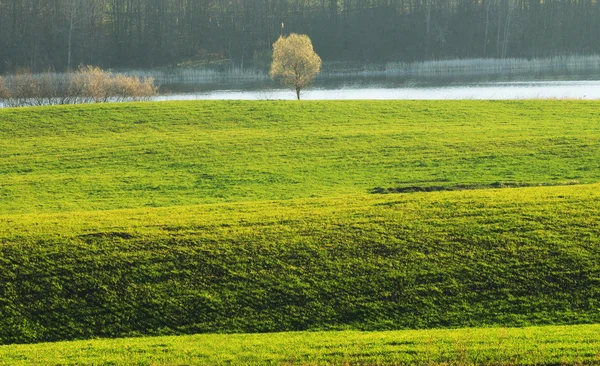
x: 129, y: 87
x: 3, y: 91
x: 94, y: 84
x: 88, y: 84
x: 25, y: 90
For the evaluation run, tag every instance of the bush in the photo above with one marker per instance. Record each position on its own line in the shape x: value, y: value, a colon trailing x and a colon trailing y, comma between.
x: 87, y: 85
x: 3, y: 91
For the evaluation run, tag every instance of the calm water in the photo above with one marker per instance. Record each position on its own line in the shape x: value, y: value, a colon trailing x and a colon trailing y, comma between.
x: 550, y: 86
x: 585, y: 89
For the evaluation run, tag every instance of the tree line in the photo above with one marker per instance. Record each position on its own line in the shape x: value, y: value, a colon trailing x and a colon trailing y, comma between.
x: 39, y: 35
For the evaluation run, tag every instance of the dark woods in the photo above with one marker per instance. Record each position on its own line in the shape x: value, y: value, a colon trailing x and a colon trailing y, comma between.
x: 58, y: 35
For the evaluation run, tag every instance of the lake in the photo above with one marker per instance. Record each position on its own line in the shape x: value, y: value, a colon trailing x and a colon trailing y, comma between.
x: 581, y: 85
x: 490, y: 91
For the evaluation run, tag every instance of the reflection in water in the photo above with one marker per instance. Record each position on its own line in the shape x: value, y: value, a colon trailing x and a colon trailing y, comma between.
x: 587, y: 89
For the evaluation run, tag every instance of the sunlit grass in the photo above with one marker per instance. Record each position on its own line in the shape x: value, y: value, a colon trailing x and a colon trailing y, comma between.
x: 567, y: 345
x: 182, y: 153
x: 183, y: 218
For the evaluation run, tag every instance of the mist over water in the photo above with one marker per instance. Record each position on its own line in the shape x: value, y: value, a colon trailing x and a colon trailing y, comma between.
x: 549, y: 85
x: 488, y: 91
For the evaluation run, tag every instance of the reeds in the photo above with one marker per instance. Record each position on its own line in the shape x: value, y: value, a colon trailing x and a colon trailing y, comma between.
x: 200, y: 75
x: 423, y: 69
x: 461, y: 67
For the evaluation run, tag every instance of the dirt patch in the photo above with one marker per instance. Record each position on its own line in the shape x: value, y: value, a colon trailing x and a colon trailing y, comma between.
x: 466, y: 187
x: 108, y: 235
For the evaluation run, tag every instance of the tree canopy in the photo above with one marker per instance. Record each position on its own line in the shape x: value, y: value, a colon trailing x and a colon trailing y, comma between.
x: 295, y: 63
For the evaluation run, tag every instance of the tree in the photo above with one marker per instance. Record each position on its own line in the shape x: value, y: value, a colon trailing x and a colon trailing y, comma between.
x: 295, y: 62
x: 77, y: 12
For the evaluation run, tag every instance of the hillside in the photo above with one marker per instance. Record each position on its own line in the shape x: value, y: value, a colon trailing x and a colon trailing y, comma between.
x: 181, y: 218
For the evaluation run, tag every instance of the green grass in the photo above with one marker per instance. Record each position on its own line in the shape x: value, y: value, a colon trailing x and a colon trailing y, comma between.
x: 181, y: 218
x: 181, y: 153
x: 570, y: 345
x: 507, y: 257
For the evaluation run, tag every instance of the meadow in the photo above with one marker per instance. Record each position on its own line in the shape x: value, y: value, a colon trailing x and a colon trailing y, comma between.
x: 250, y: 217
x: 181, y: 153
x: 552, y: 345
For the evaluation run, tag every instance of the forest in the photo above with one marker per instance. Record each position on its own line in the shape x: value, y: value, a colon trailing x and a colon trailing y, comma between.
x: 58, y: 35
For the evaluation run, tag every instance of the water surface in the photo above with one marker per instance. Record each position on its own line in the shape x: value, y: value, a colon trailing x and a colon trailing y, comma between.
x: 550, y: 84
x: 582, y: 89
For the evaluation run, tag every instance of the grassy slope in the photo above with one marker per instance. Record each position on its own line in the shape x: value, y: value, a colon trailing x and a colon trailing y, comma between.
x: 497, y: 346
x: 171, y: 154
x: 81, y: 255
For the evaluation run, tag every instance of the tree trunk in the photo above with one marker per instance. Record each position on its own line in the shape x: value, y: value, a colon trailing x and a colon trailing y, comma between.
x: 69, y: 66
x: 487, y: 25
x: 298, y: 93
x: 506, y: 30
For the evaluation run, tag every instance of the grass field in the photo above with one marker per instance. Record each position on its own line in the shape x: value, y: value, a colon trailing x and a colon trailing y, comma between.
x: 211, y: 217
x: 182, y: 153
x: 570, y: 345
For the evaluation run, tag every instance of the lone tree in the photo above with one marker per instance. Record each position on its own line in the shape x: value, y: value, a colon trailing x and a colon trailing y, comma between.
x: 295, y: 62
